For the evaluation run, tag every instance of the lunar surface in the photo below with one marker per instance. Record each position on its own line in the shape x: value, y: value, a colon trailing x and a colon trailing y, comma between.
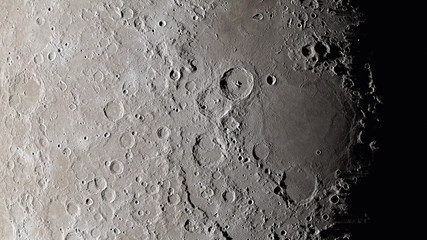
x: 183, y: 119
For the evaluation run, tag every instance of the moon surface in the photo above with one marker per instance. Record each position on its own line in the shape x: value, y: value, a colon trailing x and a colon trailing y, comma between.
x: 183, y: 119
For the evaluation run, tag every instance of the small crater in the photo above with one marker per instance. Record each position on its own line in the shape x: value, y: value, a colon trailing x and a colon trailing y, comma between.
x: 175, y: 75
x: 229, y: 196
x: 174, y: 199
x: 261, y: 151
x: 320, y: 49
x: 127, y: 13
x: 162, y: 23
x: 25, y: 91
x: 108, y: 195
x: 140, y: 24
x: 307, y: 51
x: 89, y: 201
x: 163, y: 132
x: 190, y: 86
x: 236, y: 84
x: 127, y: 140
x: 114, y: 111
x: 300, y: 184
x: 97, y: 184
x: 334, y: 199
x: 73, y: 209
x: 116, y: 167
x: 258, y: 16
x: 40, y: 21
x: 271, y: 80
x: 38, y: 59
x: 51, y: 56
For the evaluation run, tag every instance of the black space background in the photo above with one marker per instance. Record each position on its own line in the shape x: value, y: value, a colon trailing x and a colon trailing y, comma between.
x: 389, y: 195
